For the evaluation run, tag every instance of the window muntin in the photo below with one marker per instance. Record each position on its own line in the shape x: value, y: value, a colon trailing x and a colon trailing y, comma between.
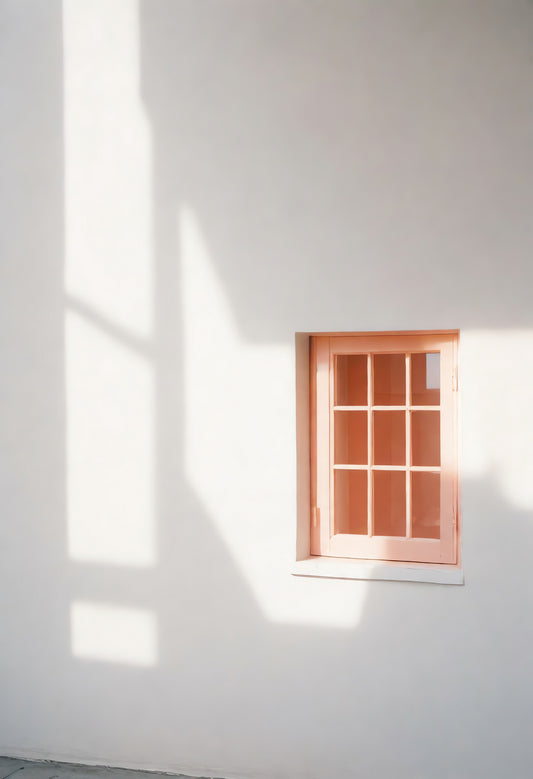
x: 383, y: 447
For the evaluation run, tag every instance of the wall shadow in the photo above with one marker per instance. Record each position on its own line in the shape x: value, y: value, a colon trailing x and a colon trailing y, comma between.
x: 34, y: 598
x: 309, y: 163
x: 330, y: 161
x: 281, y: 127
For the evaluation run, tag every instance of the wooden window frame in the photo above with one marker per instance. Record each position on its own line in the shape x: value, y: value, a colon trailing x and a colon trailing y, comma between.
x: 329, y: 551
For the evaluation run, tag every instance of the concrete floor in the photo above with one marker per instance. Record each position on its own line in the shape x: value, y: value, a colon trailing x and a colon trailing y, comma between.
x: 25, y: 769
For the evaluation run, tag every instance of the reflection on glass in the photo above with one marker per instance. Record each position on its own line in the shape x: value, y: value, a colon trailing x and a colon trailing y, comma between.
x: 351, y: 380
x: 425, y: 504
x: 389, y: 379
x: 351, y: 438
x: 389, y: 437
x: 389, y: 503
x: 425, y: 379
x: 425, y: 437
x: 351, y: 502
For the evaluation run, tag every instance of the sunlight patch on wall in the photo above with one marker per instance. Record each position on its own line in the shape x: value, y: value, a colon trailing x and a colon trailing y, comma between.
x: 496, y: 380
x: 107, y: 139
x: 113, y: 634
x: 110, y: 449
x: 240, y: 446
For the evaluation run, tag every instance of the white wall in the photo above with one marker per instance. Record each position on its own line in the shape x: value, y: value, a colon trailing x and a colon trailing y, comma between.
x: 185, y: 185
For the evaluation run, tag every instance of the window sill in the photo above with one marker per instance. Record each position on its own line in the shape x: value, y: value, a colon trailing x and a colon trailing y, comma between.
x: 344, y: 568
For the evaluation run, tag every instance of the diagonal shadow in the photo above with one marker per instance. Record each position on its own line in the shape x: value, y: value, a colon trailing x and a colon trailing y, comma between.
x: 429, y: 670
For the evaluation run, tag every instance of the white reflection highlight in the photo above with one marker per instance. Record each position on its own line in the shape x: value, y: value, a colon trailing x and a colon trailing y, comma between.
x: 107, y: 140
x: 495, y: 378
x: 240, y: 447
x: 110, y: 457
x: 433, y: 370
x: 113, y: 634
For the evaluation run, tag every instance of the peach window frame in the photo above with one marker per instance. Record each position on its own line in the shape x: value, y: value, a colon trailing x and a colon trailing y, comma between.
x: 381, y: 556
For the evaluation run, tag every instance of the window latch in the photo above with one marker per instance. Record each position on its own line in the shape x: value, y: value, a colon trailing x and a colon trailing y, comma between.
x: 454, y: 381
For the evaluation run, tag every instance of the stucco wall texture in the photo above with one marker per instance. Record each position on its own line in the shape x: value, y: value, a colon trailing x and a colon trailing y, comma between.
x: 185, y: 185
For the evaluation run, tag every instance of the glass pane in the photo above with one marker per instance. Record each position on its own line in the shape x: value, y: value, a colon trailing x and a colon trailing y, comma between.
x: 425, y: 437
x: 389, y: 437
x: 351, y: 438
x: 389, y: 379
x: 389, y: 503
x: 425, y: 504
x: 425, y: 379
x: 350, y: 380
x: 351, y: 502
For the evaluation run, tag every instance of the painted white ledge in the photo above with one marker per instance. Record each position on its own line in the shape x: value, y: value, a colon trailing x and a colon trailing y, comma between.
x: 344, y: 568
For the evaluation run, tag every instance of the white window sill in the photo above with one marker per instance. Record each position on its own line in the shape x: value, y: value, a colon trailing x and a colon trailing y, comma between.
x: 344, y: 568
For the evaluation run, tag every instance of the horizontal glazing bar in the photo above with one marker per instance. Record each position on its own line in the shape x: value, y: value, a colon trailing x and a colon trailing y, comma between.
x: 386, y: 408
x: 350, y: 408
x: 350, y: 467
x: 416, y: 468
x: 404, y: 408
x: 388, y: 468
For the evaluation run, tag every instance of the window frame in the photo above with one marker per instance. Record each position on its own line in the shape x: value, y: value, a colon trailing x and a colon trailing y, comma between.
x: 327, y: 553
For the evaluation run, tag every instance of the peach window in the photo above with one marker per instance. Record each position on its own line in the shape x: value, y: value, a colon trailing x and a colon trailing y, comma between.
x: 390, y: 448
x: 384, y: 450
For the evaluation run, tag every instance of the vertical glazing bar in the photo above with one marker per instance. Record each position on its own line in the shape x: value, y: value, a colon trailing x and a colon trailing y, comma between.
x: 370, y: 383
x: 408, y: 445
x: 332, y: 388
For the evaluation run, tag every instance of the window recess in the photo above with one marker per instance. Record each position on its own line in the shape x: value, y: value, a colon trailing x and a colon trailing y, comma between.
x: 383, y: 447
